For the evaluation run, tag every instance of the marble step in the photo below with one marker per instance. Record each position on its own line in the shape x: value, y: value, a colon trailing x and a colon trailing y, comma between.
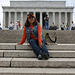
x: 5, y: 62
x: 37, y: 71
x: 31, y: 54
x: 52, y: 62
x: 35, y: 63
x: 60, y: 47
x: 13, y: 46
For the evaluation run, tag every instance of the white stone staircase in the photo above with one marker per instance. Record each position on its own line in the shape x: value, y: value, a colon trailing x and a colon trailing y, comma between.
x: 20, y: 60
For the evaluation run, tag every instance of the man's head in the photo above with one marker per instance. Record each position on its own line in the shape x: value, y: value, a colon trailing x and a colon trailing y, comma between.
x: 63, y: 23
x: 46, y: 15
x: 17, y: 21
x: 11, y: 22
x: 72, y: 21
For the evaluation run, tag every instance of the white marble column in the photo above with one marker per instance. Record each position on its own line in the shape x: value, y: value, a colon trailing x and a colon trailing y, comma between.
x: 49, y: 19
x: 4, y: 20
x: 59, y: 20
x: 21, y: 20
x: 41, y: 19
x: 35, y: 14
x: 27, y: 13
x: 9, y: 19
x: 65, y: 18
x: 71, y: 18
x: 54, y: 17
x: 15, y: 20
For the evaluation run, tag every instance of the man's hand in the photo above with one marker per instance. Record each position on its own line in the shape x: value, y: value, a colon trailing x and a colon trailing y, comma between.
x: 41, y: 45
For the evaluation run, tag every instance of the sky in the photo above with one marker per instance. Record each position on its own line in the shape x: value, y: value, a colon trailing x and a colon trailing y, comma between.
x: 7, y: 3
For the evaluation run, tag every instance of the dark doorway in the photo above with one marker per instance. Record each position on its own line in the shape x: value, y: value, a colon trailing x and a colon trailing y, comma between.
x: 43, y: 16
x: 38, y: 16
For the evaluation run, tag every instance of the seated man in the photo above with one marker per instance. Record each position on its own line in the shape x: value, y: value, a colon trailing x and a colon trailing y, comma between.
x: 0, y: 27
x: 62, y: 26
x: 53, y: 27
x: 11, y: 27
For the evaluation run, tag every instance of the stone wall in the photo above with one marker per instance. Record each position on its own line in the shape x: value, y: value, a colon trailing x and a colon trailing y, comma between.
x: 15, y: 36
x: 37, y: 3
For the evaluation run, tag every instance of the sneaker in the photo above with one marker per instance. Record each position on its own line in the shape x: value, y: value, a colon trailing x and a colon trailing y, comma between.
x: 45, y: 56
x: 40, y: 57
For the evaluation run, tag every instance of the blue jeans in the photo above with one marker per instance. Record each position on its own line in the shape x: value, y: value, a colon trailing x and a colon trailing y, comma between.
x: 46, y: 26
x: 0, y: 28
x: 67, y: 28
x: 72, y: 28
x: 11, y: 28
x: 38, y: 51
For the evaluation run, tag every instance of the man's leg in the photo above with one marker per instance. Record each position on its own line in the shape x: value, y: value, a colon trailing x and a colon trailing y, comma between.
x: 17, y: 27
x: 45, y: 26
